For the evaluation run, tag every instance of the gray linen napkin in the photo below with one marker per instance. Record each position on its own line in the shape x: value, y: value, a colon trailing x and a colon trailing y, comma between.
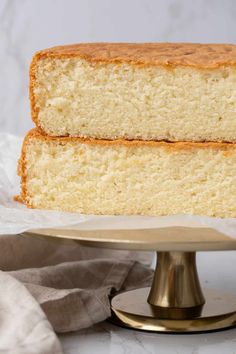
x: 24, y: 328
x: 62, y: 286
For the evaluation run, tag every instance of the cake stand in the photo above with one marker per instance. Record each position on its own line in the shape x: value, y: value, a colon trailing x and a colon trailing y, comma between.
x: 175, y: 302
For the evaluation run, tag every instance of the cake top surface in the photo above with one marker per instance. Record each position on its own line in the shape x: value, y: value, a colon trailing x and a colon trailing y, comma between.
x: 178, y: 145
x: 167, y: 54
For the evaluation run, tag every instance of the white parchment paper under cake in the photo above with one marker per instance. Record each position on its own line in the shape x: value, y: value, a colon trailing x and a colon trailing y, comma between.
x: 16, y: 218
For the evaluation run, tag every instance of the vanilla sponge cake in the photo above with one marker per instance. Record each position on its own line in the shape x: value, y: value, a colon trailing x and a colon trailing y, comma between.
x: 150, y: 91
x: 128, y: 177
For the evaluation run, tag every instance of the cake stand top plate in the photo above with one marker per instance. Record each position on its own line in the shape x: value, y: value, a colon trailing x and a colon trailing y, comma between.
x: 160, y: 239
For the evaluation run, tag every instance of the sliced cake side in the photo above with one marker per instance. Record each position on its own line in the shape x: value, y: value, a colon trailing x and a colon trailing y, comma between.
x: 149, y: 91
x: 128, y: 178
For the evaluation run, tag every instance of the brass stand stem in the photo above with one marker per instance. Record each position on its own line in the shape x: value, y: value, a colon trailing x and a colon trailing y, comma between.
x: 176, y: 290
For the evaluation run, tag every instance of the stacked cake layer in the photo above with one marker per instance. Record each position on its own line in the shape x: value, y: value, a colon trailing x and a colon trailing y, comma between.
x: 119, y: 177
x: 174, y: 92
x: 135, y: 129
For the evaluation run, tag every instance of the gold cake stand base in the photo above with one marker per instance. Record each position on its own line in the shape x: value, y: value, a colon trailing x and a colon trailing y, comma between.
x: 175, y: 302
x: 131, y: 310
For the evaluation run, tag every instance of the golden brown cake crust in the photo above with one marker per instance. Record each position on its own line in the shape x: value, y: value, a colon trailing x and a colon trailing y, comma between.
x: 35, y: 133
x: 167, y: 54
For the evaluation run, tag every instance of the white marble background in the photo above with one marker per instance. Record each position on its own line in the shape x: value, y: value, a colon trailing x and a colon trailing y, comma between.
x: 29, y: 25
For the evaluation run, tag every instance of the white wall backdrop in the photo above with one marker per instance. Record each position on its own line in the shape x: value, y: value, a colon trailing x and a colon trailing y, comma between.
x: 29, y: 25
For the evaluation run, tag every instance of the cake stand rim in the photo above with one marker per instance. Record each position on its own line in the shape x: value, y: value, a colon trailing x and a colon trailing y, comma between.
x: 159, y: 239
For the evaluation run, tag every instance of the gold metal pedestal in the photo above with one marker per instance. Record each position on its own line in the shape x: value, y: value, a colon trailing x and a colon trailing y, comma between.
x: 175, y: 302
x: 131, y: 309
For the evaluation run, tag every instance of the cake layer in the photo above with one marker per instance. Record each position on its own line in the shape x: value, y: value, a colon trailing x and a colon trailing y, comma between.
x: 129, y: 178
x: 168, y: 91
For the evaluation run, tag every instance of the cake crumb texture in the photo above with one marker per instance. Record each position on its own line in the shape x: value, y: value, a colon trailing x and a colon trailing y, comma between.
x: 150, y: 91
x: 128, y: 178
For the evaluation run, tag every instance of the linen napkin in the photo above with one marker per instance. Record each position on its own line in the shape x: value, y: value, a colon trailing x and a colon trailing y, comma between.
x: 60, y: 286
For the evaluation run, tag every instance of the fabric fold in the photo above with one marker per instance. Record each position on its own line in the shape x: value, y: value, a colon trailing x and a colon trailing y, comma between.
x: 49, y: 287
x: 75, y: 295
x: 24, y: 326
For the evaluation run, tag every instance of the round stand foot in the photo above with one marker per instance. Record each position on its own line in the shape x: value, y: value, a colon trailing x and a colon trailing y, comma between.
x: 131, y: 309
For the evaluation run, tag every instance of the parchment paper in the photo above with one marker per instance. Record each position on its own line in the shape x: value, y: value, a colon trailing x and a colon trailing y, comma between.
x: 16, y: 218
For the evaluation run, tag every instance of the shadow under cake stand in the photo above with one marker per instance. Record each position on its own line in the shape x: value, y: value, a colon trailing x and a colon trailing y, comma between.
x: 175, y: 302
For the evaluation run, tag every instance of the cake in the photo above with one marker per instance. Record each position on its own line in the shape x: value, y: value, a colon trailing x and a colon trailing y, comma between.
x: 128, y: 177
x: 150, y: 91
